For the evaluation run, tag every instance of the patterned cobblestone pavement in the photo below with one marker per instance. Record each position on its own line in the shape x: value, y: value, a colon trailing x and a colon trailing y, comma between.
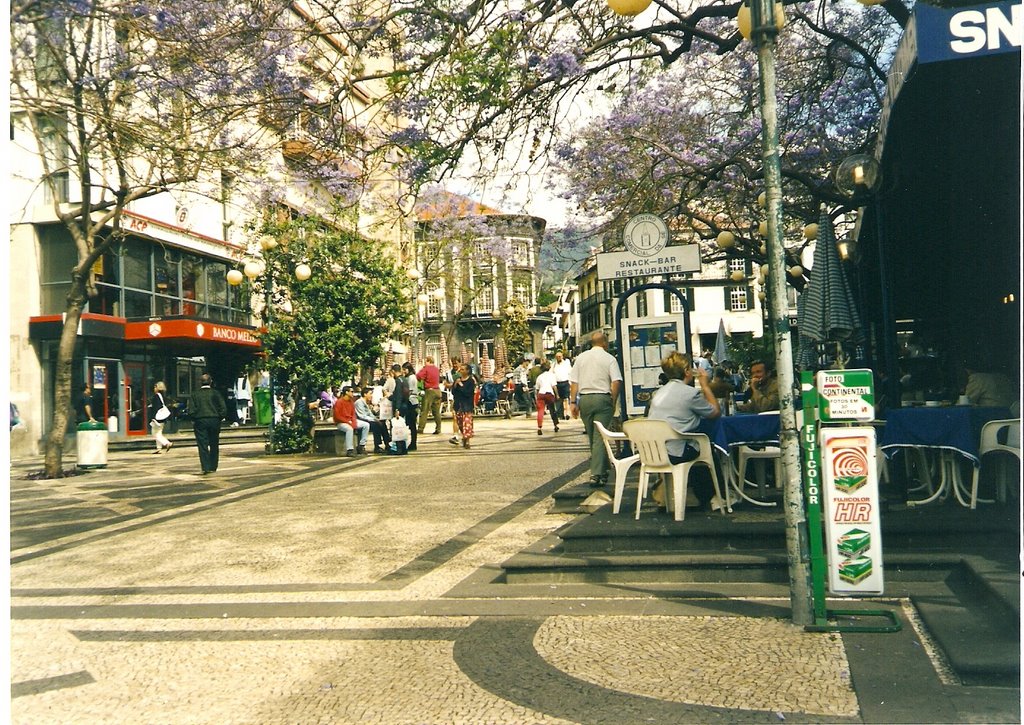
x: 310, y: 589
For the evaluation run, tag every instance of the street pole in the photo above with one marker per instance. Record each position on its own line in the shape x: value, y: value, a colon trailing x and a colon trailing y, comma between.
x: 763, y: 32
x: 267, y: 309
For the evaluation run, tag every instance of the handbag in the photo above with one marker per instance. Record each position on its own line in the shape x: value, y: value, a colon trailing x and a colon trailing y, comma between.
x: 163, y: 413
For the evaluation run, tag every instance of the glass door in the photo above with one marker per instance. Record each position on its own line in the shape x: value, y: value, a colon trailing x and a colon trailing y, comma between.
x: 136, y: 398
x: 107, y: 395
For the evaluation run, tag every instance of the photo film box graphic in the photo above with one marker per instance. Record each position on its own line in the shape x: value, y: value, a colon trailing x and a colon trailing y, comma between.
x: 853, y: 543
x: 854, y: 571
x: 852, y: 524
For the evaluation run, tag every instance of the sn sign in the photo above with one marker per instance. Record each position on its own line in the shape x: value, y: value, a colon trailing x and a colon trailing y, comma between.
x: 976, y: 30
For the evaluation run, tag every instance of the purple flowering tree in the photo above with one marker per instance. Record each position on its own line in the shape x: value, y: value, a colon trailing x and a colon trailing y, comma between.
x: 126, y: 100
x: 687, y: 147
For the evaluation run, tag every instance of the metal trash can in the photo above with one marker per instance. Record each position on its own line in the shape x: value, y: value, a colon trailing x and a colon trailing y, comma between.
x: 261, y: 401
x: 91, y: 441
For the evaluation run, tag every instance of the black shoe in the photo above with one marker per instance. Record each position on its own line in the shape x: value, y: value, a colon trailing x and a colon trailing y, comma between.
x: 411, y: 448
x: 556, y: 429
x: 361, y: 450
x: 540, y: 432
x: 378, y: 449
x: 350, y: 453
x: 436, y: 432
x: 596, y: 481
x: 454, y: 440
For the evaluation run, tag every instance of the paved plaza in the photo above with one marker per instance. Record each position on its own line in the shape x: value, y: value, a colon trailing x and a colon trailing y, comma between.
x: 315, y: 589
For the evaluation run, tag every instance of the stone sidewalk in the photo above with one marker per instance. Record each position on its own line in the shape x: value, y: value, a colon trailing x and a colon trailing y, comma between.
x: 309, y: 589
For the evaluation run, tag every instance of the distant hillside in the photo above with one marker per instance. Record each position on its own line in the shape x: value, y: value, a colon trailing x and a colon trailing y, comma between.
x: 563, y: 252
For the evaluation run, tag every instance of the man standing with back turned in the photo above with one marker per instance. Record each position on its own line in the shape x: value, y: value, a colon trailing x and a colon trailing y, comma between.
x: 207, y: 409
x: 595, y: 379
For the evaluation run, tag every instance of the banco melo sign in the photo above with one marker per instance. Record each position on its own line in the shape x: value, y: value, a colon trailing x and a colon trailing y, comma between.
x: 968, y: 32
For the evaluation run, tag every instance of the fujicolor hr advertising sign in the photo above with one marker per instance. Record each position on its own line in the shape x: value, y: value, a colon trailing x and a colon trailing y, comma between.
x: 853, y: 528
x: 967, y: 32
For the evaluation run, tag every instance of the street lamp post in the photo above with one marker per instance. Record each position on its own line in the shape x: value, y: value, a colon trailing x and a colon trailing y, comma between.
x: 761, y: 20
x: 422, y: 303
x: 252, y: 270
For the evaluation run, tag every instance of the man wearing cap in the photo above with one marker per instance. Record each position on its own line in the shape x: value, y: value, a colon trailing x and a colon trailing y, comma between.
x: 594, y: 384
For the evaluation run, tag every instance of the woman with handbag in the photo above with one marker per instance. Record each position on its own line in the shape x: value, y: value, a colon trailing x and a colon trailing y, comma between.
x: 159, y: 413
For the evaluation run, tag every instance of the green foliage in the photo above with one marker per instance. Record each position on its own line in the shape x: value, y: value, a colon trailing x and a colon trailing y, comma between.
x: 516, y: 332
x: 325, y: 328
x: 292, y: 437
x: 744, y: 351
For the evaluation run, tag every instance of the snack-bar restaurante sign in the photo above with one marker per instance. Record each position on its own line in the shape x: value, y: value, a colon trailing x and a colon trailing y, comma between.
x: 669, y: 261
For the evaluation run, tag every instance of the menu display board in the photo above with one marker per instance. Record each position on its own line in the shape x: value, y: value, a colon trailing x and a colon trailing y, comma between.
x: 648, y: 341
x: 853, y: 527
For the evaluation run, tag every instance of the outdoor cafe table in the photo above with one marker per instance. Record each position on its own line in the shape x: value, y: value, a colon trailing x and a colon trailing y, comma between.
x: 948, y: 430
x: 740, y: 429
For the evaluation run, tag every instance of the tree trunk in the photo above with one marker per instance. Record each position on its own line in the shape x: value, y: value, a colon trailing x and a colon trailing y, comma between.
x: 53, y: 461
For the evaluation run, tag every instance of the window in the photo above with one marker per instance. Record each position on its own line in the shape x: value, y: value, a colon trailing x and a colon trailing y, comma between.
x: 641, y: 304
x: 737, y: 264
x: 53, y: 140
x: 434, y: 305
x: 58, y: 258
x: 135, y: 258
x: 521, y: 252
x: 522, y: 288
x: 51, y: 49
x: 739, y: 299
x: 674, y: 306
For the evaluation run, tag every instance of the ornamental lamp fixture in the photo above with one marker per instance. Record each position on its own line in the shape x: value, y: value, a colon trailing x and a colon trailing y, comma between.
x: 303, y: 272
x: 796, y: 271
x: 438, y: 294
x: 267, y: 243
x: 737, y: 276
x: 811, y: 232
x: 413, y: 273
x: 235, y: 277
x: 858, y: 174
x: 252, y: 269
x: 628, y: 8
x: 726, y: 240
x: 762, y: 228
x: 762, y: 199
x: 745, y: 23
x: 422, y: 299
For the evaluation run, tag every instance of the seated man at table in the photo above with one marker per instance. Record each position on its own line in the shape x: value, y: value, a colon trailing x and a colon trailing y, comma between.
x: 989, y: 388
x: 683, y: 406
x: 763, y: 392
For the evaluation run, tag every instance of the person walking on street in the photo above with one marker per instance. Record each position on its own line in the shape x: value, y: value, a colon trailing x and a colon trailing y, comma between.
x: 159, y: 414
x: 430, y: 375
x: 546, y: 397
x: 594, y: 386
x: 207, y: 409
x: 83, y: 405
x: 561, y: 369
x: 464, y: 401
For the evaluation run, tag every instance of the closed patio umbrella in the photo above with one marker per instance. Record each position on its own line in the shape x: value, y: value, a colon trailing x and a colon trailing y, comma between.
x: 826, y: 311
x: 721, y: 351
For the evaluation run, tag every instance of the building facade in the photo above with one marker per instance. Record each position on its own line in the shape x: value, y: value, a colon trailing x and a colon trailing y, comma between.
x: 481, y: 260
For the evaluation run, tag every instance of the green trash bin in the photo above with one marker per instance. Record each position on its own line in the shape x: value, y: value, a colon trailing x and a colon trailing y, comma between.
x: 261, y: 402
x: 91, y: 444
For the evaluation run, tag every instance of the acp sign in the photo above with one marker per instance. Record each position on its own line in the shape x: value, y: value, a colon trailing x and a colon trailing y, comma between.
x: 967, y: 32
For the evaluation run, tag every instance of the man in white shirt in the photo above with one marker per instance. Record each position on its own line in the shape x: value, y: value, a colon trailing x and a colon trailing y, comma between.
x: 561, y: 369
x: 593, y: 388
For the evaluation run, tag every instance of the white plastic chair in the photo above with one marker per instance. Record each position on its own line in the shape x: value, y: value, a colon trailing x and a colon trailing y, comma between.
x: 621, y: 465
x: 990, y: 444
x: 648, y: 438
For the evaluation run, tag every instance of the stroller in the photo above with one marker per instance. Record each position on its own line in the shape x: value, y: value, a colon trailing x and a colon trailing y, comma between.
x: 488, y: 404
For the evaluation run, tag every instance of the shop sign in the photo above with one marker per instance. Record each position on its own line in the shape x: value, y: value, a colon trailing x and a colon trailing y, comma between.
x: 669, y: 261
x: 967, y: 32
x: 846, y: 395
x: 853, y: 529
